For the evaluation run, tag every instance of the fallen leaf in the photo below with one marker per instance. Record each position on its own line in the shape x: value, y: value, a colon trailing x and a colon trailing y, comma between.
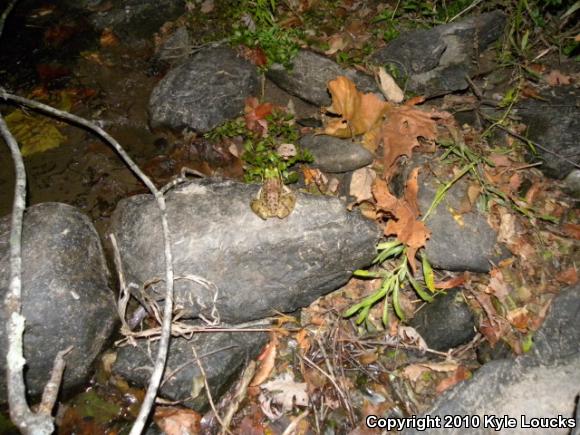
x: 461, y: 374
x: 255, y: 114
x: 497, y: 286
x: 389, y: 87
x: 286, y: 392
x: 568, y: 276
x: 207, y: 6
x: 507, y: 228
x: 108, y: 38
x: 303, y: 340
x: 556, y: 78
x: 451, y: 283
x: 255, y: 55
x: 404, y: 224
x: 335, y: 43
x: 177, y: 421
x: 414, y: 371
x: 286, y: 150
x: 33, y: 132
x: 572, y: 230
x: 410, y: 335
x: 361, y: 183
x: 358, y: 112
x: 267, y: 358
x: 401, y: 132
x: 519, y: 318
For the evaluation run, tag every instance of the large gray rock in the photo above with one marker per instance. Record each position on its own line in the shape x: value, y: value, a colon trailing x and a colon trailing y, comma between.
x: 332, y: 154
x: 545, y: 383
x: 437, y: 60
x: 257, y: 267
x: 131, y: 18
x: 467, y: 243
x: 310, y: 75
x: 554, y: 123
x: 203, y: 91
x: 65, y: 295
x: 446, y: 322
x: 221, y: 354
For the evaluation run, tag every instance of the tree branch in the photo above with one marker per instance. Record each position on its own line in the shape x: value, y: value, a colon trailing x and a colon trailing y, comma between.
x: 159, y: 198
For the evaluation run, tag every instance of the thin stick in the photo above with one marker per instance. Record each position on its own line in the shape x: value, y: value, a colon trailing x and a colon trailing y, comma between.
x: 239, y: 395
x: 207, y: 390
x: 159, y: 198
x: 5, y: 15
x: 332, y: 380
x: 468, y: 8
x: 292, y: 426
x: 27, y: 421
x: 50, y: 392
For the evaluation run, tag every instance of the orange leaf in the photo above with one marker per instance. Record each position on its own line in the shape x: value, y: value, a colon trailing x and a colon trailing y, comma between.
x: 519, y: 318
x: 461, y: 374
x: 108, y: 38
x: 358, y: 112
x: 572, y: 230
x: 255, y: 114
x: 268, y: 358
x: 451, y: 283
x: 175, y: 421
x: 400, y: 133
x: 404, y: 224
x: 568, y: 276
x: 556, y: 78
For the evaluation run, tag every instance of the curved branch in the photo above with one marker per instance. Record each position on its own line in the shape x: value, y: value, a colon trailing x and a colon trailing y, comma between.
x: 160, y: 199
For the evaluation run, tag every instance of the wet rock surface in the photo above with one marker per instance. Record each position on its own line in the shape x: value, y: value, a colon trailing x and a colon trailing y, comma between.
x: 65, y: 294
x: 436, y: 61
x: 203, y: 91
x: 445, y: 323
x: 260, y: 265
x: 543, y: 383
x: 221, y: 354
x: 310, y: 74
x: 332, y: 154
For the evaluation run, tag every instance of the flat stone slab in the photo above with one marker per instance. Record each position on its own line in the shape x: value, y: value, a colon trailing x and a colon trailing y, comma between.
x: 255, y: 267
x: 335, y: 155
x: 204, y: 91
x: 221, y: 354
x: 437, y: 60
x: 310, y: 75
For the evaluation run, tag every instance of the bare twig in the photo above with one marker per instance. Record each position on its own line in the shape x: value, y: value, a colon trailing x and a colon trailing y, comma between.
x: 239, y: 395
x: 50, y: 392
x: 207, y: 390
x: 291, y: 428
x: 343, y: 397
x: 159, y: 198
x: 5, y: 15
x: 28, y: 422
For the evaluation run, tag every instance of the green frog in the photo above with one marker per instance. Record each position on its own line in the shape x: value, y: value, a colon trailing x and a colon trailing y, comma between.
x: 274, y: 199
